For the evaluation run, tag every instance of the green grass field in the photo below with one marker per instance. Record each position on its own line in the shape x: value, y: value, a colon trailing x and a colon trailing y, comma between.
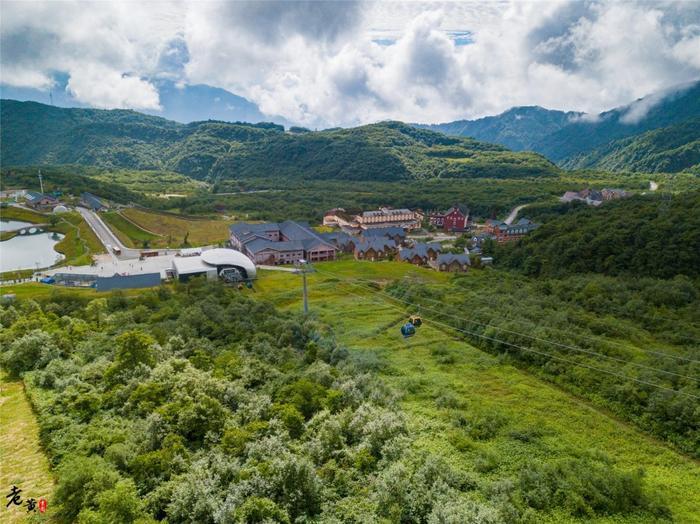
x: 128, y: 232
x: 22, y: 462
x: 444, y: 381
x: 25, y: 215
x: 173, y: 230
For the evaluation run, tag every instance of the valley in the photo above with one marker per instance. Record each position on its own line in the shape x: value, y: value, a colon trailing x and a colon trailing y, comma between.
x: 165, y: 370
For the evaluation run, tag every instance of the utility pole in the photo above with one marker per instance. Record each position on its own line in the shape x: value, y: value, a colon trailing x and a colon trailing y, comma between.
x: 41, y: 182
x: 304, y: 267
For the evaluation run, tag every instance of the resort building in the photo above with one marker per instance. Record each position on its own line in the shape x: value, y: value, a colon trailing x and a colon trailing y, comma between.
x: 386, y: 216
x: 281, y: 243
x: 375, y: 248
x: 451, y: 262
x: 503, y: 232
x: 455, y: 219
x: 37, y: 200
x: 420, y: 254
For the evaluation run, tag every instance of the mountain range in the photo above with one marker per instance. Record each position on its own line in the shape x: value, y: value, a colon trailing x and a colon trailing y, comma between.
x: 604, y: 141
x: 659, y: 133
x: 35, y: 134
x: 182, y: 103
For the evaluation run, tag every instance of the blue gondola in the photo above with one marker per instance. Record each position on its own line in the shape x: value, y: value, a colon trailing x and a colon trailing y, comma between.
x: 408, y: 330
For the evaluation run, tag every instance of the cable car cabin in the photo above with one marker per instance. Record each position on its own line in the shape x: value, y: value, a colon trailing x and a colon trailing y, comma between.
x: 416, y: 321
x: 408, y: 330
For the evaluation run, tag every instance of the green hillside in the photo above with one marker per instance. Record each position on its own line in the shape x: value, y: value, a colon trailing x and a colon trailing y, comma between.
x: 519, y: 128
x: 665, y: 109
x: 219, y: 150
x: 666, y: 150
x: 34, y: 133
x: 615, y: 140
x: 651, y: 236
x: 198, y: 404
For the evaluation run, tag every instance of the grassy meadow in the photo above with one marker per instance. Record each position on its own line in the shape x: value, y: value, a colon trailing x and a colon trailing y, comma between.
x: 152, y: 183
x: 127, y: 231
x: 172, y: 230
x: 22, y: 462
x: 481, y: 414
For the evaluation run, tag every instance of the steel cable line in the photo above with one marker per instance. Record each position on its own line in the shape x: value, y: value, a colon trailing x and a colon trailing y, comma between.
x: 589, y: 337
x: 556, y: 357
x: 575, y: 348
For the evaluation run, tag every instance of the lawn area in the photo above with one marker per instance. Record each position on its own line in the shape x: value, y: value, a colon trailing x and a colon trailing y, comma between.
x: 22, y: 462
x: 22, y: 214
x: 484, y: 416
x: 128, y: 232
x: 79, y: 243
x: 177, y: 231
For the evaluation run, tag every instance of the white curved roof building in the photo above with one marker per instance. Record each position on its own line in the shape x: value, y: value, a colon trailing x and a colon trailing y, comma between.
x: 212, y: 262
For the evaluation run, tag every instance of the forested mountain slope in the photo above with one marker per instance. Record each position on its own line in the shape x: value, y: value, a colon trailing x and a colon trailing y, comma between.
x: 648, y: 113
x: 667, y: 150
x: 642, y: 236
x: 38, y: 134
x: 519, y: 128
x: 573, y: 141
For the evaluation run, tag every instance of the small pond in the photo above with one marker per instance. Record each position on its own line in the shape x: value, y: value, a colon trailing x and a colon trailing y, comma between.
x: 11, y: 225
x: 27, y: 251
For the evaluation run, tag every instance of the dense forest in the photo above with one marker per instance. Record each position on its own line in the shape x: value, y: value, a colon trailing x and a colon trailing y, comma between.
x: 669, y: 149
x: 642, y: 236
x: 33, y: 134
x: 200, y: 405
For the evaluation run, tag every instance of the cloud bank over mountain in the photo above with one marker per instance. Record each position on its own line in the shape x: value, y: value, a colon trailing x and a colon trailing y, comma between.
x: 345, y: 63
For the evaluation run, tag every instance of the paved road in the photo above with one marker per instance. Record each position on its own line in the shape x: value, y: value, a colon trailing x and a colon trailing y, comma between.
x: 105, y: 234
x: 514, y: 214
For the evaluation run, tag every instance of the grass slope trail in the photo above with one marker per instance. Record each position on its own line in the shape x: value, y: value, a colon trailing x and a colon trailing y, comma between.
x: 445, y: 382
x: 22, y: 462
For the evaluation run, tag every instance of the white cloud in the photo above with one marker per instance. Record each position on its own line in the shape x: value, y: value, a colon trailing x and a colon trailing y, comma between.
x: 104, y: 88
x: 342, y: 63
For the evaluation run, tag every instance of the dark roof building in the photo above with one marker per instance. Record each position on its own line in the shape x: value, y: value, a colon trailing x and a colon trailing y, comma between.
x: 451, y: 262
x: 40, y: 200
x: 375, y: 248
x: 91, y: 201
x: 420, y: 253
x: 503, y: 232
x: 281, y: 243
x: 340, y: 239
x: 391, y: 232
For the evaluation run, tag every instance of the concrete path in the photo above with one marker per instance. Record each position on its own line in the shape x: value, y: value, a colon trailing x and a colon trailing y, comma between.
x: 288, y: 269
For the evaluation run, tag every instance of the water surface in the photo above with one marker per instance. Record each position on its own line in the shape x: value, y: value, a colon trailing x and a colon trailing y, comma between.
x: 29, y: 252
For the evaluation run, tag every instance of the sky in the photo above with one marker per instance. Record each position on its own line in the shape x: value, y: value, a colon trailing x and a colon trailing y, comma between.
x: 323, y: 64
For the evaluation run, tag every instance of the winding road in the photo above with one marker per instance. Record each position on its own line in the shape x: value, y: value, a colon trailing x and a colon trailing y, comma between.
x: 514, y: 213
